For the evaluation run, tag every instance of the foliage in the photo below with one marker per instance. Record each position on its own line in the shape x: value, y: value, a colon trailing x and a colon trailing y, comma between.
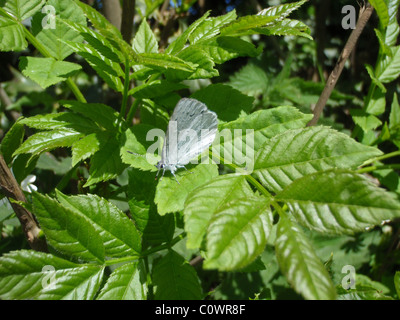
x: 116, y: 233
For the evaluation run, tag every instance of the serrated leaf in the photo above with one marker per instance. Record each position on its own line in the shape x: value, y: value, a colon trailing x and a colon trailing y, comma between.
x: 179, y: 43
x: 48, y: 140
x: 102, y: 114
x: 125, y: 283
x: 107, y: 69
x: 51, y: 38
x: 339, y: 202
x: 163, y: 61
x: 245, y: 24
x: 67, y: 231
x: 22, y: 9
x: 283, y: 10
x: 296, y: 153
x: 86, y: 147
x: 28, y: 274
x: 367, y: 122
x: 170, y: 196
x: 210, y: 27
x: 175, y: 279
x: 286, y: 27
x: 106, y: 163
x: 68, y: 120
x: 47, y: 71
x: 392, y: 31
x: 119, y: 235
x: 203, y: 202
x: 300, y: 264
x: 145, y: 41
x: 394, y: 117
x: 195, y: 56
x: 222, y: 49
x: 381, y: 10
x: 155, y: 89
x: 12, y: 36
x: 238, y: 233
x: 389, y: 69
x: 11, y: 141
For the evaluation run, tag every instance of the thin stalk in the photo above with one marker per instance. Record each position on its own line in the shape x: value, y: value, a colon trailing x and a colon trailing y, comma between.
x: 126, y: 90
x: 383, y: 157
x: 374, y: 168
x: 132, y: 111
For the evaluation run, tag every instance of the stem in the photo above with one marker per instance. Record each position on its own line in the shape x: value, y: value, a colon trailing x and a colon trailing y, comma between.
x: 383, y: 157
x: 374, y: 168
x: 126, y: 90
x: 365, y: 14
x: 132, y: 111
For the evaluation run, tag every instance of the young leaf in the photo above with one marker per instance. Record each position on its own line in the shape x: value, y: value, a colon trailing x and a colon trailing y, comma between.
x: 47, y: 71
x: 145, y: 41
x: 106, y: 163
x: 381, y: 10
x: 339, y: 201
x: 238, y: 233
x: 28, y: 274
x: 22, y: 9
x: 175, y: 279
x: 125, y: 283
x: 299, y: 152
x: 210, y: 27
x: 282, y: 11
x: 12, y: 35
x: 11, y: 141
x: 86, y: 147
x: 298, y: 261
x: 394, y: 117
x: 392, y: 31
x: 48, y: 140
x: 170, y: 196
x: 244, y: 25
x: 389, y: 69
x: 51, y: 37
x: 117, y: 231
x: 67, y: 231
x: 203, y: 202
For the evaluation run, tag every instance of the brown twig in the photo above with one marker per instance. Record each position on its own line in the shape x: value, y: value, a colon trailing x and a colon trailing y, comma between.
x: 365, y: 14
x: 12, y: 190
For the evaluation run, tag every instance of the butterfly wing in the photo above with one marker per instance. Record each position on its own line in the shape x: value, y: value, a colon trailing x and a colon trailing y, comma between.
x: 191, y: 129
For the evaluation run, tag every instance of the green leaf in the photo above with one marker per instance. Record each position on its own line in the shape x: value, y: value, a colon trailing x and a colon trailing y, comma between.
x: 106, y: 163
x: 175, y: 279
x: 367, y: 122
x: 12, y: 35
x: 377, y: 103
x: 180, y: 42
x: 118, y: 233
x: 286, y: 27
x: 222, y: 49
x: 145, y: 41
x: 296, y: 153
x: 392, y: 31
x: 11, y: 141
x: 227, y: 102
x: 381, y: 10
x: 210, y: 27
x: 67, y: 231
x: 251, y: 80
x: 362, y: 292
x: 102, y: 114
x: 22, y: 9
x: 66, y: 120
x: 47, y: 71
x: 136, y: 140
x: 163, y: 61
x: 203, y: 202
x: 244, y: 25
x: 389, y: 69
x: 155, y: 89
x: 283, y: 10
x: 86, y: 147
x: 170, y: 196
x: 394, y: 117
x: 48, y: 140
x: 238, y: 233
x: 51, y: 38
x: 107, y: 69
x: 339, y: 201
x: 195, y: 56
x: 28, y: 274
x: 300, y: 264
x: 125, y: 283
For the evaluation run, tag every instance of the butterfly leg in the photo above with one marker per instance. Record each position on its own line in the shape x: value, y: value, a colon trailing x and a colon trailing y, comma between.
x: 175, y: 177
